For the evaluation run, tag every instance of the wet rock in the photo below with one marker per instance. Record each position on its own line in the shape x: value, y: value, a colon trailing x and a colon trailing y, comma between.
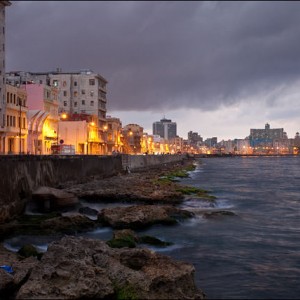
x: 48, y: 199
x: 88, y: 211
x: 135, y: 188
x: 6, y: 282
x: 218, y: 214
x: 68, y: 224
x: 85, y: 268
x: 29, y: 250
x: 10, y: 283
x: 123, y: 238
x: 151, y: 240
x: 141, y: 216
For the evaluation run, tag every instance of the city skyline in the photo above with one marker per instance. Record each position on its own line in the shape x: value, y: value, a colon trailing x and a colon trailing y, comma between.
x: 188, y: 61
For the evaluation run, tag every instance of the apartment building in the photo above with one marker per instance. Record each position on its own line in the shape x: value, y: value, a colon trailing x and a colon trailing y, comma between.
x: 15, y: 140
x: 3, y: 5
x: 113, y: 135
x: 165, y: 128
x: 42, y: 117
x: 132, y: 136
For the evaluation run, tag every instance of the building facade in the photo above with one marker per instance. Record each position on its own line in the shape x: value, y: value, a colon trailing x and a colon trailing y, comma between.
x: 132, y: 136
x: 15, y: 140
x: 82, y: 92
x: 113, y: 135
x: 42, y: 117
x: 165, y: 128
x: 266, y: 136
x: 3, y: 5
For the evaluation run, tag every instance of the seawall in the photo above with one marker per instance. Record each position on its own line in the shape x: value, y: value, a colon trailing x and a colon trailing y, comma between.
x: 21, y: 175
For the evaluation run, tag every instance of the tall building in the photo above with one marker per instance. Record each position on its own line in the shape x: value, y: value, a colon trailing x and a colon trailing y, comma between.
x: 165, y: 128
x: 194, y: 138
x: 3, y: 5
x: 266, y: 136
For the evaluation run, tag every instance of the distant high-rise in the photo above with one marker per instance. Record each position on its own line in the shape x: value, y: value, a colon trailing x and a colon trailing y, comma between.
x: 266, y: 136
x: 165, y: 128
x: 3, y: 4
x: 267, y: 133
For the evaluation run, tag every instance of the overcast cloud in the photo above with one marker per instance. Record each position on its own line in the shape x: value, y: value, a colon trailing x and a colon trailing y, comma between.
x: 161, y: 57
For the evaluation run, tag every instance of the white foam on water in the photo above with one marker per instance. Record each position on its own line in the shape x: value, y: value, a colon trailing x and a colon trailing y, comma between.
x: 10, y: 247
x: 224, y: 204
x: 164, y: 249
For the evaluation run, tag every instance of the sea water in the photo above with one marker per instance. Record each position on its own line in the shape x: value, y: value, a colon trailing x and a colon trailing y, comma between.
x: 255, y: 254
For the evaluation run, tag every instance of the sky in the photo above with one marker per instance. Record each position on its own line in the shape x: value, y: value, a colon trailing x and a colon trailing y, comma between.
x: 216, y: 68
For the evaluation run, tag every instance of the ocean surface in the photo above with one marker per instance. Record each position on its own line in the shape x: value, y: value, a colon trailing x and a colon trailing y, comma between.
x: 253, y: 255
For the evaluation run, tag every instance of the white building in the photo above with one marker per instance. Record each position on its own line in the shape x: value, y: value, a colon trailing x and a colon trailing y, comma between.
x: 3, y: 4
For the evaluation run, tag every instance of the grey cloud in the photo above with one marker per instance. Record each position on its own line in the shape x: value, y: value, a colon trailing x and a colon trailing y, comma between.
x: 161, y: 55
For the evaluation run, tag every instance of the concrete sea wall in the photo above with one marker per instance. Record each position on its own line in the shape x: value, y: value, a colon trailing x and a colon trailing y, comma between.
x: 21, y: 175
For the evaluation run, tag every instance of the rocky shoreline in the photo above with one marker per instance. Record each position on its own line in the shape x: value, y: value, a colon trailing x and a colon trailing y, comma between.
x: 117, y: 269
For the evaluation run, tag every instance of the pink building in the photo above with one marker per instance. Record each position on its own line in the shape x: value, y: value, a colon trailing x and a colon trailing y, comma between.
x: 42, y: 117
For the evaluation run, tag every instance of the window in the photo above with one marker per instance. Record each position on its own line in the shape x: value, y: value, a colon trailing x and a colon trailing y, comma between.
x: 55, y: 82
x: 83, y: 92
x: 103, y: 95
x: 75, y: 104
x: 91, y: 93
x: 75, y: 94
x: 7, y: 120
x: 92, y: 103
x: 65, y: 103
x: 83, y: 102
x: 64, y: 83
x: 41, y: 81
x: 75, y: 83
x: 92, y: 81
x: 65, y: 93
